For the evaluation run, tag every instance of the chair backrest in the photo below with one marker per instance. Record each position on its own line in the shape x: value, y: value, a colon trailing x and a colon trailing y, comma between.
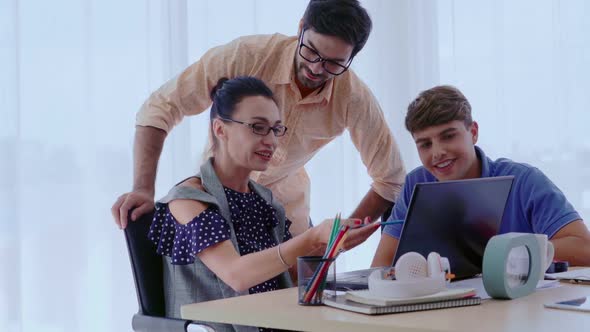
x: 147, y: 267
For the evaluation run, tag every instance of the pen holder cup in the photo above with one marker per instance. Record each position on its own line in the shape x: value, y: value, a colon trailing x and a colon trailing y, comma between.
x: 316, y: 279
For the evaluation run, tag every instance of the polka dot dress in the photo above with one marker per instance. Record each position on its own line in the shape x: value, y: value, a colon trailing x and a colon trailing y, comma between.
x: 253, y: 219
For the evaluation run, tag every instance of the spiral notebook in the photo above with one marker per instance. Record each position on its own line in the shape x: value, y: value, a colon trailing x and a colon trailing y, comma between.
x: 363, y: 302
x: 341, y: 302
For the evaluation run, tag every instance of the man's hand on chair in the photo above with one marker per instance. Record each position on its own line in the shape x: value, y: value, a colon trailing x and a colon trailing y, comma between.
x: 138, y: 202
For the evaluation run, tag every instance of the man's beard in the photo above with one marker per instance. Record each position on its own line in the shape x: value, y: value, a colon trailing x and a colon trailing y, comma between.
x: 306, y: 81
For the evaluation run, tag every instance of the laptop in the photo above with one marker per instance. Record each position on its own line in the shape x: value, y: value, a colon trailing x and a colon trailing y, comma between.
x: 454, y: 218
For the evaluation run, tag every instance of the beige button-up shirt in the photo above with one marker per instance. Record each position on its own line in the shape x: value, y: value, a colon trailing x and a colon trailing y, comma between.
x: 344, y: 102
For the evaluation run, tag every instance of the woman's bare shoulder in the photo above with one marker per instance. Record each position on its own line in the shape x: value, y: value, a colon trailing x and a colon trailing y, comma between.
x: 185, y: 210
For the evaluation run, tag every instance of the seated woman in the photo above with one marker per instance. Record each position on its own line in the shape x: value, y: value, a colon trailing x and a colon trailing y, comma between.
x: 222, y: 233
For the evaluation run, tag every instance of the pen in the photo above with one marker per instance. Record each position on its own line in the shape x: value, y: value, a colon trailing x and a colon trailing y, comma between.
x: 384, y: 223
x: 393, y: 222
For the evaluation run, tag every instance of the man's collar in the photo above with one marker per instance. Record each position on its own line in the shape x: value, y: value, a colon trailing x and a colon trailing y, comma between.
x: 326, y: 91
x: 284, y: 71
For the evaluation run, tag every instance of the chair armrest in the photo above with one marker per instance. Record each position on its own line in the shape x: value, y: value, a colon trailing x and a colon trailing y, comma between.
x: 143, y: 323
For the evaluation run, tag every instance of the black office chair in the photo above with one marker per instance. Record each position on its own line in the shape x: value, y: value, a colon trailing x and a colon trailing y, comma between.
x: 149, y: 285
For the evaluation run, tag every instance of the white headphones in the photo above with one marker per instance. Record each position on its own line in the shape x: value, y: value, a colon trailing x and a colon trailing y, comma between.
x: 414, y: 276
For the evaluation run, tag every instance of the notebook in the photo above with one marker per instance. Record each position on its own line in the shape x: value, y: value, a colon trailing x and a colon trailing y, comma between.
x: 340, y: 302
x: 574, y: 276
x: 454, y: 218
x: 366, y: 297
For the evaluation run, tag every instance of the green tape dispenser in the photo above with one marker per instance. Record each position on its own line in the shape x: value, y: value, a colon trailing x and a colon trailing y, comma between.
x: 511, y: 265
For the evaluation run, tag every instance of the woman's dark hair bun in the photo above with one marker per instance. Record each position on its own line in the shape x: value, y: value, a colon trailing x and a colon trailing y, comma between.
x: 217, y: 87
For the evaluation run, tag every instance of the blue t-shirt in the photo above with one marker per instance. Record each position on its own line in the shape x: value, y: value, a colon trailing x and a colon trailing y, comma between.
x: 535, y: 204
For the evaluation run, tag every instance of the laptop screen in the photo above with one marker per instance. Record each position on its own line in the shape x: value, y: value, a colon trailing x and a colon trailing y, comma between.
x: 455, y: 219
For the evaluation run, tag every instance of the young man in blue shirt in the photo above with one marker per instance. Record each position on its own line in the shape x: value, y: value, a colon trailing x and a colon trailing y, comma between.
x: 440, y: 122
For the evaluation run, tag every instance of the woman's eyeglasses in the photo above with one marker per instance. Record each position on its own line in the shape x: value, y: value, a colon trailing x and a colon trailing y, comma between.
x: 262, y: 129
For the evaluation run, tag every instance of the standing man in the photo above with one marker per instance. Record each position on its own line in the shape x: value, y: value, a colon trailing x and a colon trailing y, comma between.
x: 317, y: 93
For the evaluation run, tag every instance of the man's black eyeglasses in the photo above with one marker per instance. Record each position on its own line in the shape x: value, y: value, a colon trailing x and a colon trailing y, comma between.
x: 260, y: 128
x: 313, y: 56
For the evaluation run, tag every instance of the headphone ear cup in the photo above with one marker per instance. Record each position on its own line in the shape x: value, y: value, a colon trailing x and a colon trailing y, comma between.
x: 410, y: 266
x: 435, y: 268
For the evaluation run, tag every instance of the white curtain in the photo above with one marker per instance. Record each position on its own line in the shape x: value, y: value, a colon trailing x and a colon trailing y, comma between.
x: 75, y: 72
x: 525, y: 67
x: 73, y: 75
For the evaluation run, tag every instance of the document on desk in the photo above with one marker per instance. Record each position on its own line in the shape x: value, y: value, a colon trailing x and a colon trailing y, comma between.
x: 578, y: 275
x: 480, y: 291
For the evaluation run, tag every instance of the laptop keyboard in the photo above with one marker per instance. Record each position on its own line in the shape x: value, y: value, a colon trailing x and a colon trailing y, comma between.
x: 358, y: 278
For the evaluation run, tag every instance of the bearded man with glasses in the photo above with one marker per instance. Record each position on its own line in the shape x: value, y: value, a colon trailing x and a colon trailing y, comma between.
x: 317, y: 93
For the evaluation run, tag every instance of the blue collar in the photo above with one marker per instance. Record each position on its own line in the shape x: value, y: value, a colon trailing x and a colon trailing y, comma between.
x: 486, y: 170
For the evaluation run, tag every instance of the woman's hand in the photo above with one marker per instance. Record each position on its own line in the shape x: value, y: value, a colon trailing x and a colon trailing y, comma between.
x: 322, y: 233
x: 359, y: 231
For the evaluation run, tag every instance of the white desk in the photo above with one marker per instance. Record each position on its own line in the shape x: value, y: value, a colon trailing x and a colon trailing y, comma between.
x: 279, y: 309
